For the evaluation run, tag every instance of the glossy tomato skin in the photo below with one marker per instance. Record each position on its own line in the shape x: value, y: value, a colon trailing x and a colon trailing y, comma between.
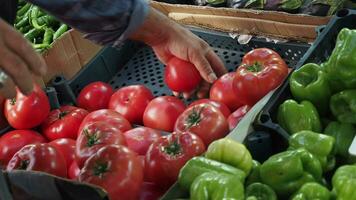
x: 131, y: 101
x: 167, y: 156
x: 39, y: 157
x: 222, y: 91
x: 109, y: 116
x: 63, y: 123
x: 66, y: 147
x: 95, y: 96
x: 205, y: 121
x: 13, y: 141
x: 162, y: 112
x: 252, y: 82
x: 150, y: 191
x: 93, y: 137
x: 73, y: 171
x: 140, y: 138
x: 220, y: 106
x: 181, y: 76
x: 236, y: 116
x: 26, y: 112
x: 117, y: 169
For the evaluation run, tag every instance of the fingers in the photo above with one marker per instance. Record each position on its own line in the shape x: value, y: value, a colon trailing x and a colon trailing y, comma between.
x: 198, y: 58
x: 216, y: 63
x: 162, y: 55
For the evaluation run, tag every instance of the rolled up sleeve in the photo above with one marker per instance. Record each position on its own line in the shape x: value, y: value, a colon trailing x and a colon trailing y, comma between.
x: 106, y: 22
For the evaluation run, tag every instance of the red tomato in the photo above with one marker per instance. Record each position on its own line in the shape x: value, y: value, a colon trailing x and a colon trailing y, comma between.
x: 131, y: 102
x: 39, y: 157
x: 162, y: 112
x: 26, y: 112
x: 204, y: 120
x: 109, y: 116
x: 236, y: 116
x: 73, y: 171
x: 93, y: 137
x: 181, y: 76
x: 117, y: 169
x: 13, y: 141
x: 220, y: 106
x: 95, y: 96
x: 63, y: 123
x: 67, y: 148
x: 167, y: 156
x: 261, y: 71
x: 222, y: 91
x: 139, y: 139
x: 150, y: 191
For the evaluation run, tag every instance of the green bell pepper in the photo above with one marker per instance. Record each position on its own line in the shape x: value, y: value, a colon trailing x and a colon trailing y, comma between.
x: 344, y: 182
x: 286, y: 172
x: 294, y: 117
x: 254, y: 175
x: 320, y: 145
x: 341, y: 66
x: 309, y: 83
x: 217, y: 186
x: 344, y: 134
x: 199, y: 165
x: 343, y: 106
x: 312, y: 191
x: 230, y: 152
x: 260, y: 191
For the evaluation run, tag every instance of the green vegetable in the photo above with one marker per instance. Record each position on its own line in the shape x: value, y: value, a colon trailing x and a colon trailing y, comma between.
x: 290, y: 5
x: 312, y: 191
x: 343, y: 106
x: 217, y: 186
x: 254, y: 175
x: 230, y: 152
x: 35, y: 11
x: 23, y: 10
x: 309, y: 83
x: 260, y: 191
x: 61, y: 30
x: 215, y: 2
x: 344, y: 182
x: 294, y: 117
x: 22, y: 22
x: 286, y: 172
x: 47, y: 20
x: 199, y: 165
x: 344, y: 134
x: 341, y: 66
x: 320, y: 145
x: 33, y: 33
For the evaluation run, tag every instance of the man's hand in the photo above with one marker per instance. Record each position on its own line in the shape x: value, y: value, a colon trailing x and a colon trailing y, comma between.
x: 168, y: 39
x: 18, y: 60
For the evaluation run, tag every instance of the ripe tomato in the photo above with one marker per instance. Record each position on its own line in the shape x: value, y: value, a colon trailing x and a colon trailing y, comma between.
x: 95, y: 96
x: 150, y: 191
x: 26, y: 112
x: 236, y: 116
x: 181, y: 76
x: 13, y: 141
x: 131, y: 101
x: 109, y: 116
x: 167, y: 156
x: 220, y: 106
x: 73, y: 171
x: 222, y: 91
x: 117, y: 169
x: 261, y: 71
x: 39, y: 157
x: 139, y: 139
x: 162, y: 112
x: 204, y: 120
x: 63, y: 123
x: 93, y: 137
x: 66, y: 147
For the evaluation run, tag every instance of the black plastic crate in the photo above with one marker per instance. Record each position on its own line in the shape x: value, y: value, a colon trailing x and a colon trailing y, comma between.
x: 318, y: 53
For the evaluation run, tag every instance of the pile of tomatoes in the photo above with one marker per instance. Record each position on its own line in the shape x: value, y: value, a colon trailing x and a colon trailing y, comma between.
x: 129, y: 142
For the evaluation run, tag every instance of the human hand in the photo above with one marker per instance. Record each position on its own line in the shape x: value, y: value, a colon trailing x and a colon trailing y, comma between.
x: 18, y: 60
x: 169, y: 39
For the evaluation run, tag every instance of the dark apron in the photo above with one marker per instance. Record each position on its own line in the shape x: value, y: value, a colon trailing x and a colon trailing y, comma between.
x: 8, y: 10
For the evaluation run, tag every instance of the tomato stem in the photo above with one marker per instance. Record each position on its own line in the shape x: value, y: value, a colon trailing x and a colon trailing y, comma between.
x: 194, y: 118
x: 256, y: 67
x: 24, y: 164
x: 62, y: 114
x: 92, y: 139
x: 173, y: 148
x: 13, y: 101
x: 100, y: 168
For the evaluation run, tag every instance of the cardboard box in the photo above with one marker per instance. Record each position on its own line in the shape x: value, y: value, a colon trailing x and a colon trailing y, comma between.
x: 245, y: 21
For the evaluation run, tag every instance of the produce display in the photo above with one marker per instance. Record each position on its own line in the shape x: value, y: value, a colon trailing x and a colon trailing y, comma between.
x: 38, y: 27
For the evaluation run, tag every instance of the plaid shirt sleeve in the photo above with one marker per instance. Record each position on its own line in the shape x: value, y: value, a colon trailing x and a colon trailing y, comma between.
x: 107, y: 22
